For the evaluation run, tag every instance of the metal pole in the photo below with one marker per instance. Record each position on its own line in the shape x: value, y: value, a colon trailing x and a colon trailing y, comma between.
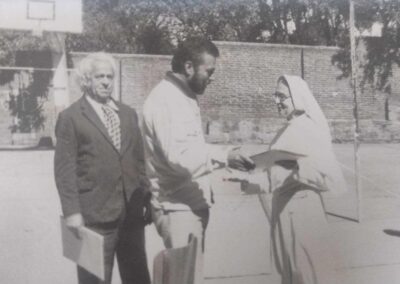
x: 302, y: 63
x: 120, y: 81
x: 355, y: 108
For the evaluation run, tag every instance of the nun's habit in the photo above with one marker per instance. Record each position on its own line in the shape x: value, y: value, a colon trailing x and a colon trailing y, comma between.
x: 302, y: 249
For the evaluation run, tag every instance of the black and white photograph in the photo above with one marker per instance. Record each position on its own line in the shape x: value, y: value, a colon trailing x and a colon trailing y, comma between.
x: 200, y: 141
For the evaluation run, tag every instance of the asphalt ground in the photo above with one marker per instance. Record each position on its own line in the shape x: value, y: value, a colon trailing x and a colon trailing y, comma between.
x: 237, y: 244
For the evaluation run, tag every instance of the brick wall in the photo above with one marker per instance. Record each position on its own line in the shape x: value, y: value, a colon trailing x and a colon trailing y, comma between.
x: 141, y: 73
x: 138, y: 75
x: 238, y: 107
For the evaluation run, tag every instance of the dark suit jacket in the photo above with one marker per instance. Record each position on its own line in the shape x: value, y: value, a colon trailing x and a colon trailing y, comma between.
x: 91, y: 175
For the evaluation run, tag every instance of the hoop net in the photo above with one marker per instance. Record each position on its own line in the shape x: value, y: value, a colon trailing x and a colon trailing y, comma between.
x: 37, y: 29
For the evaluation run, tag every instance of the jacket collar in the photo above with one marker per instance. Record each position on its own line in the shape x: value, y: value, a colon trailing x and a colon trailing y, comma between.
x: 91, y: 115
x: 172, y: 78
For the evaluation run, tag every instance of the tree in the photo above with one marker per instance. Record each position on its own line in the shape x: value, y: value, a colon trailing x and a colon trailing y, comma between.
x: 124, y: 26
x: 307, y: 22
x: 156, y: 26
x: 384, y: 52
x: 26, y: 106
x: 381, y: 53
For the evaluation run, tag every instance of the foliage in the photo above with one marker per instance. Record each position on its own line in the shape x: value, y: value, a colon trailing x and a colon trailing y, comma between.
x: 28, y: 111
x: 125, y: 26
x: 156, y: 26
x: 381, y: 53
x: 27, y: 105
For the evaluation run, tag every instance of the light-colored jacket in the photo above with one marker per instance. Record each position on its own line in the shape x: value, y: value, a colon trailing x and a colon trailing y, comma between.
x: 177, y: 153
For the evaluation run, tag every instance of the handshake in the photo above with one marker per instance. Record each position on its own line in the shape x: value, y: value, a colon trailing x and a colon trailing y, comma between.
x: 240, y: 161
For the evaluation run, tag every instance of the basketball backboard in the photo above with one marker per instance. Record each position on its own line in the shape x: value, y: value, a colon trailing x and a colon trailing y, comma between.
x: 41, y: 15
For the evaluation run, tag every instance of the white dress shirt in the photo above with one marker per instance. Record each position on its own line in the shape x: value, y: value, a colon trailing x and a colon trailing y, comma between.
x: 99, y: 111
x: 177, y: 153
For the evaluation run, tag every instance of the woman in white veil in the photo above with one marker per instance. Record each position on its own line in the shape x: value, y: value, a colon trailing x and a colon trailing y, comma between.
x: 301, y: 243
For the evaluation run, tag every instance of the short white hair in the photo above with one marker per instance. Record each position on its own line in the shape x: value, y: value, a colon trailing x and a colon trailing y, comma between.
x: 85, y: 67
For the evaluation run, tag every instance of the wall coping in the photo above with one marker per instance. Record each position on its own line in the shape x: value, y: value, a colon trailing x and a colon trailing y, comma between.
x: 276, y: 45
x: 129, y: 55
x: 222, y: 43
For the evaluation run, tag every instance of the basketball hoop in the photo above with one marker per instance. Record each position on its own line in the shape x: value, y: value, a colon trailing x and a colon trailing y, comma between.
x: 41, y: 15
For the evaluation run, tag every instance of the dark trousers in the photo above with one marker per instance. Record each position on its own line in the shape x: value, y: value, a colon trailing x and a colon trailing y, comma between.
x: 124, y: 238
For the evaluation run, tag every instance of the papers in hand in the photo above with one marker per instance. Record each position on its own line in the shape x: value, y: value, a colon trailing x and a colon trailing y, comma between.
x: 87, y: 252
x: 267, y: 159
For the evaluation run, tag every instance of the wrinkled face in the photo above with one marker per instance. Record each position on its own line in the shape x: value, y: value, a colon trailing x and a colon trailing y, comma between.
x: 200, y: 76
x: 283, y: 99
x: 101, y: 81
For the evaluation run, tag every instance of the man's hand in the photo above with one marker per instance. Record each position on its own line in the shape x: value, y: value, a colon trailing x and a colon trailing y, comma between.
x: 239, y: 161
x: 75, y: 223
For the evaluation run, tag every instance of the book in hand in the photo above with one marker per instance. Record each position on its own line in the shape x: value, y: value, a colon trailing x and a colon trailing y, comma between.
x: 269, y: 158
x: 87, y: 251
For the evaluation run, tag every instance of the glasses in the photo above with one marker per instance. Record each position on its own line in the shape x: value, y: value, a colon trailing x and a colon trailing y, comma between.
x: 280, y: 96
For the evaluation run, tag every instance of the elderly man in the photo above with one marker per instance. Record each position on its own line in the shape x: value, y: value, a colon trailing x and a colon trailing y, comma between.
x: 177, y: 152
x: 100, y: 173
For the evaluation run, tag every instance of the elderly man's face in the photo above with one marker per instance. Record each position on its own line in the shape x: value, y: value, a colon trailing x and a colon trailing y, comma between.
x: 101, y: 81
x: 201, y: 76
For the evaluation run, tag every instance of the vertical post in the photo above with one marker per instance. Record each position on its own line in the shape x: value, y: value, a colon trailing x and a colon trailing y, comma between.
x: 117, y: 91
x: 355, y: 108
x: 120, y: 80
x: 302, y: 63
x: 60, y: 77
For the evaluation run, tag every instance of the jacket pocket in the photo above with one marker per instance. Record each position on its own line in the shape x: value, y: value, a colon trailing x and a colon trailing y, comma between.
x: 85, y: 185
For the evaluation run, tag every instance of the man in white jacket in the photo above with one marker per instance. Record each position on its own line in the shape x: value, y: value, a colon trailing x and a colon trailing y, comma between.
x: 176, y: 150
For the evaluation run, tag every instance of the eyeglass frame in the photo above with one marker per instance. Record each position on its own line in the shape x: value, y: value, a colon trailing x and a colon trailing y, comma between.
x: 281, y: 96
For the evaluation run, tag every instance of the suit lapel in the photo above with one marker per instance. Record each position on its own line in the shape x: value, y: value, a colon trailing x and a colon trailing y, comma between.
x: 125, y: 127
x: 92, y: 116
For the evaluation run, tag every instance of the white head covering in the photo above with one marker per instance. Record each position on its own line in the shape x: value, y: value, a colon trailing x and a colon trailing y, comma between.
x: 304, y: 100
x: 309, y: 135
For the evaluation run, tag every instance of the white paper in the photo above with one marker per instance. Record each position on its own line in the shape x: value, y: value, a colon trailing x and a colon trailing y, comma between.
x: 87, y: 252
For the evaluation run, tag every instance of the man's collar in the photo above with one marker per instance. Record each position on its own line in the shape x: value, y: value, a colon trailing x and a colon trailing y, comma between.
x: 172, y: 78
x: 110, y: 103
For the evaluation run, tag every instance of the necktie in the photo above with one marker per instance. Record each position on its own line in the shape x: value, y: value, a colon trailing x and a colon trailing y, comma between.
x: 113, y: 125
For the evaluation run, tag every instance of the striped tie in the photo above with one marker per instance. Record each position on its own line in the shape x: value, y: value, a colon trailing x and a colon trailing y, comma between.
x: 113, y: 126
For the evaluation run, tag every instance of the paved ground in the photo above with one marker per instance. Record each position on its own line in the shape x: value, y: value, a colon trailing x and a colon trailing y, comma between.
x: 237, y: 246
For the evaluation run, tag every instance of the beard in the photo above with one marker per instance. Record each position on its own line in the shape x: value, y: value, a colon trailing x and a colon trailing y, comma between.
x: 197, y: 84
